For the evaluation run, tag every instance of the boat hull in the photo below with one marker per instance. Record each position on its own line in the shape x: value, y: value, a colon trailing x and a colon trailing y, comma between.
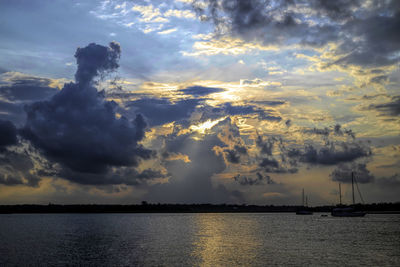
x: 304, y: 212
x: 347, y: 213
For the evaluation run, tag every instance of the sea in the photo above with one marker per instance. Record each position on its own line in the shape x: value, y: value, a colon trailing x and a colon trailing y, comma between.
x: 198, y: 239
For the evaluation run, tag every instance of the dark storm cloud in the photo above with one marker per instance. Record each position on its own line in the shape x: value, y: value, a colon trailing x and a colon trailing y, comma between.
x: 277, y: 155
x: 10, y: 109
x: 379, y: 79
x: 256, y: 20
x: 94, y: 60
x: 160, y: 111
x: 228, y: 128
x: 338, y: 130
x: 391, y: 108
x: 271, y: 165
x: 17, y: 90
x: 266, y: 145
x: 17, y: 169
x: 342, y: 173
x: 336, y: 10
x: 127, y: 176
x: 230, y: 109
x: 329, y: 150
x: 271, y: 162
x: 10, y: 180
x: 380, y: 41
x: 200, y: 90
x: 8, y: 134
x: 27, y: 88
x: 79, y: 129
x: 233, y: 155
x: 334, y: 152
x: 240, y: 149
x: 329, y: 131
x: 324, y: 132
x: 368, y: 34
x: 234, y: 148
x: 258, y: 180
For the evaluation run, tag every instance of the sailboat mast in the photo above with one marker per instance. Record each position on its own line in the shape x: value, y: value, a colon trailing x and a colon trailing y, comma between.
x: 340, y: 194
x: 302, y: 199
x: 306, y: 201
x: 352, y: 187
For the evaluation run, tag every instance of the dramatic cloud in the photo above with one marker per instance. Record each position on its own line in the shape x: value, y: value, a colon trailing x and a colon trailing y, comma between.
x: 267, y: 160
x: 160, y: 111
x: 79, y: 129
x: 233, y: 155
x: 10, y: 180
x: 335, y: 130
x: 391, y: 108
x: 264, y: 97
x: 8, y: 134
x: 368, y: 37
x: 343, y: 173
x: 17, y: 90
x: 94, y: 60
x: 22, y: 88
x: 12, y: 112
x: 334, y: 152
x: 259, y: 180
x: 339, y: 10
x: 17, y: 169
x: 256, y: 20
x: 268, y: 155
x: 234, y: 147
x: 266, y: 145
x: 123, y: 175
x: 201, y: 91
x: 277, y: 155
x: 190, y: 181
x: 377, y: 42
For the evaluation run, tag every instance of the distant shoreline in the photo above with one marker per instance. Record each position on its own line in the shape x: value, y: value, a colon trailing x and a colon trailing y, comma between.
x: 380, y: 208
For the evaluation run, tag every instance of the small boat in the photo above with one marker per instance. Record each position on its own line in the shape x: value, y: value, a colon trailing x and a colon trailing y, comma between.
x: 304, y: 208
x: 344, y: 211
x: 347, y: 212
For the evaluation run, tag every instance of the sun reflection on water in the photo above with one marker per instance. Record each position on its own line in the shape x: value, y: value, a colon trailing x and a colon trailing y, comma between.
x: 218, y: 242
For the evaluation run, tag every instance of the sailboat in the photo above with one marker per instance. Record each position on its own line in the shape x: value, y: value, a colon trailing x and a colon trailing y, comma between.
x: 304, y: 210
x: 343, y: 211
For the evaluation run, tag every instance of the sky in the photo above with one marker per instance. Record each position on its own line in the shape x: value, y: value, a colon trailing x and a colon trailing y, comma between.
x: 212, y: 101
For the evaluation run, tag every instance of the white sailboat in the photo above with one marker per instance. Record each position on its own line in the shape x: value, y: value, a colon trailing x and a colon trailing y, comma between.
x: 344, y: 211
x: 304, y: 208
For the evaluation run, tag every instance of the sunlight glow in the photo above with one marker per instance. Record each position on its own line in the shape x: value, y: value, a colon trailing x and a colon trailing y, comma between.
x: 203, y: 127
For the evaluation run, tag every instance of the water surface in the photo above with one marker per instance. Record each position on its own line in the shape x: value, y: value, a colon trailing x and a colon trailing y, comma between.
x: 227, y: 239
